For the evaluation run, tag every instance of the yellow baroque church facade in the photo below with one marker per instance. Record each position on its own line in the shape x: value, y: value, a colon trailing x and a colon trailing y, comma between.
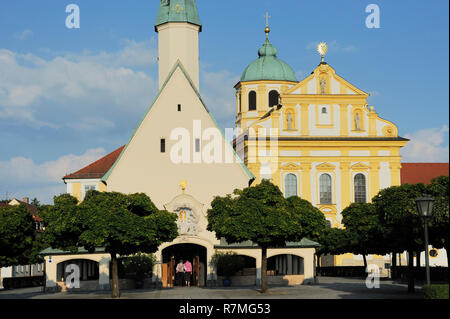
x: 317, y: 138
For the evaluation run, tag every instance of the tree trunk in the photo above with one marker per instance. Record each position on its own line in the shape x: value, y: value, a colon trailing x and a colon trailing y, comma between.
x: 365, y: 261
x: 264, y: 269
x: 115, y: 276
x: 411, y: 271
x: 394, y: 266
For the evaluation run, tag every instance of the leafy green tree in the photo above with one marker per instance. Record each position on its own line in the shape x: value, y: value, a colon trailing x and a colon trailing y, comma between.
x: 119, y: 223
x: 62, y: 224
x: 18, y: 242
x: 312, y: 220
x: 260, y: 214
x: 35, y: 202
x: 365, y: 234
x: 398, y: 215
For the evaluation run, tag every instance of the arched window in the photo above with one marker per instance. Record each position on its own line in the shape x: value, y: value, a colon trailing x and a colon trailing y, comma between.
x: 360, y: 188
x: 325, y: 189
x: 290, y: 185
x: 273, y: 98
x: 252, y: 101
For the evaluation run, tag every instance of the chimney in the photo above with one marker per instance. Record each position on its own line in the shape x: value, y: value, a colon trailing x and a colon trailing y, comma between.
x: 26, y: 200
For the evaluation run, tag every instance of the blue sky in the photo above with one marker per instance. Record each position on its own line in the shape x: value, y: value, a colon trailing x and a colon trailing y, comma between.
x: 67, y: 97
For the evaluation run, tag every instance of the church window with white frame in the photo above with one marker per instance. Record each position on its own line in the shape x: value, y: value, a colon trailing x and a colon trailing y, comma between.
x: 325, y: 189
x: 360, y: 188
x: 290, y: 185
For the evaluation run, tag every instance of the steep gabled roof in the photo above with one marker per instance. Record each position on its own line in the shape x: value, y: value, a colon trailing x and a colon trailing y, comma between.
x: 178, y: 65
x: 413, y: 173
x: 97, y: 169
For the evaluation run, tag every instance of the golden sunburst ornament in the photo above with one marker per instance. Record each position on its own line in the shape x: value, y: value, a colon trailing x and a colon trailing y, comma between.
x: 322, y: 49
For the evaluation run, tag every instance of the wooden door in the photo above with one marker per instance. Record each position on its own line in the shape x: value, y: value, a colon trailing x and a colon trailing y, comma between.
x: 171, y: 272
x: 165, y: 277
x: 196, y: 270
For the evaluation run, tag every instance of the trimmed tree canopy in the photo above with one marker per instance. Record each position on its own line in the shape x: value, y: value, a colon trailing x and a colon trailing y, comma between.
x: 17, y: 236
x: 121, y: 224
x: 262, y: 214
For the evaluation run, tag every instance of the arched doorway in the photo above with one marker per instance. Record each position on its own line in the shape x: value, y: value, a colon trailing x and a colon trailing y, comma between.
x: 285, y: 269
x: 85, y: 271
x: 196, y: 254
x: 285, y: 264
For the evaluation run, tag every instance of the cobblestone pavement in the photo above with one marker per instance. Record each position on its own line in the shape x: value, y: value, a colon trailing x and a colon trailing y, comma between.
x: 327, y: 288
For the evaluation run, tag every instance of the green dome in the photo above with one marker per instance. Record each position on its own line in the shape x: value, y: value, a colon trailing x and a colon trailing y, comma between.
x: 268, y: 67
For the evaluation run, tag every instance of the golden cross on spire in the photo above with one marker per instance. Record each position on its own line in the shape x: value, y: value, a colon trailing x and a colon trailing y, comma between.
x: 267, y: 16
x: 267, y: 30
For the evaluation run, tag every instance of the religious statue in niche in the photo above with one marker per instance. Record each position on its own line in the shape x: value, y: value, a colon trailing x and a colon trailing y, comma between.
x: 323, y: 85
x: 357, y: 122
x: 290, y: 121
x: 186, y: 221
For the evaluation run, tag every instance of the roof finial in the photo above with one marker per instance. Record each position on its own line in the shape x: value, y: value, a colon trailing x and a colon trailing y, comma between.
x: 267, y: 30
x: 322, y: 49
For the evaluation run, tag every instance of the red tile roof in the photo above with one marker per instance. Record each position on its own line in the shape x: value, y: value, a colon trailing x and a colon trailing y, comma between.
x: 413, y: 173
x: 97, y: 169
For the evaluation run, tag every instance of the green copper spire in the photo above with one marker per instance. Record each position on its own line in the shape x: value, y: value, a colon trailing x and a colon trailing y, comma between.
x: 178, y: 11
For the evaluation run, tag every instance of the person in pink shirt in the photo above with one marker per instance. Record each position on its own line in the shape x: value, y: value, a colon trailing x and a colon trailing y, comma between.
x: 180, y: 273
x: 187, y: 273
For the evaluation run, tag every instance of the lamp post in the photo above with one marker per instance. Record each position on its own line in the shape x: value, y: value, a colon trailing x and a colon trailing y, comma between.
x: 425, y: 208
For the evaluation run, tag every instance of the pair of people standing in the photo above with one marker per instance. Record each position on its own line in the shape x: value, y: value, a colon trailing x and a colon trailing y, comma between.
x: 184, y: 271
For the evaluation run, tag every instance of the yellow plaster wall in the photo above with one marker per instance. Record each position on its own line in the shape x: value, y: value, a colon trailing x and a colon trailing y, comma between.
x: 76, y: 191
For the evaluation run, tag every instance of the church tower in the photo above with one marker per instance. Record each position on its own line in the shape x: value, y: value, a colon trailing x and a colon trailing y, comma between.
x: 261, y: 85
x: 178, y: 26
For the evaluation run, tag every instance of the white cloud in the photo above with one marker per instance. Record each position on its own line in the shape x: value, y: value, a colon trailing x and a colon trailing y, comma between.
x: 22, y: 177
x: 21, y: 169
x: 427, y: 145
x: 81, y: 83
